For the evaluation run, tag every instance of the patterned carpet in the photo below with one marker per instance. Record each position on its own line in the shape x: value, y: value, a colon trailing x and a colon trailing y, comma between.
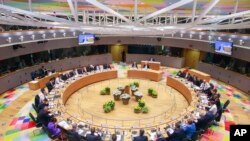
x: 23, y: 129
x: 11, y: 95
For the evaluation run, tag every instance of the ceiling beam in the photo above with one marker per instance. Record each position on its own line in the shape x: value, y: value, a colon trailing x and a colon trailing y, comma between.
x: 166, y: 9
x: 194, y: 10
x: 72, y: 9
x: 235, y: 8
x: 109, y: 10
x: 30, y: 5
x: 32, y: 14
x: 221, y: 18
x: 136, y: 9
x: 205, y: 11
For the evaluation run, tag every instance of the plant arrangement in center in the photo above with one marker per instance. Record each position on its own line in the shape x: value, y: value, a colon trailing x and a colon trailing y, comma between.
x: 105, y: 91
x: 153, y: 93
x: 125, y: 98
x: 108, y: 106
x: 136, y: 84
x: 141, y: 107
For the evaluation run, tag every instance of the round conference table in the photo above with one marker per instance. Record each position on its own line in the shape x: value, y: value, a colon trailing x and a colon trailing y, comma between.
x: 80, y: 82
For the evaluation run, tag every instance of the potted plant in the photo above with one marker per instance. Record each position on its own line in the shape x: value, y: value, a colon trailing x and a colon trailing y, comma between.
x: 107, y: 89
x: 150, y: 90
x: 136, y: 84
x: 112, y: 104
x: 120, y: 88
x: 125, y: 98
x: 138, y: 95
x: 117, y: 95
x: 137, y: 109
x: 108, y: 106
x: 133, y: 89
x: 102, y: 92
x: 154, y: 94
x: 141, y: 103
x: 144, y: 109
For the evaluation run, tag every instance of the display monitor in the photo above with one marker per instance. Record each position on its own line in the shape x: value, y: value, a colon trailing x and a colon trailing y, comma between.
x: 223, y: 47
x: 84, y: 39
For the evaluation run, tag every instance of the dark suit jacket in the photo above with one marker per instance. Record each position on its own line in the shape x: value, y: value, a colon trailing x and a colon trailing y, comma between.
x: 146, y: 65
x: 178, y: 135
x: 91, y: 137
x: 43, y: 117
x: 37, y: 101
x: 79, y: 71
x: 161, y: 139
x: 140, y: 138
x: 73, y: 136
x: 49, y: 86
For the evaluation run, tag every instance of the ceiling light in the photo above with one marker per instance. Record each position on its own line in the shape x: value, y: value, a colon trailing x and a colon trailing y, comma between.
x: 200, y: 36
x: 9, y: 39
x: 209, y: 37
x: 21, y: 38
x: 241, y: 42
x: 44, y: 36
x: 190, y: 35
x: 33, y: 37
x: 219, y: 38
x: 54, y: 35
x: 181, y: 35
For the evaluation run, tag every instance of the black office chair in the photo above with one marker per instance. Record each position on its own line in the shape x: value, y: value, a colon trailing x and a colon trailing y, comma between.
x: 35, y: 108
x: 38, y: 124
x: 71, y: 137
x: 225, y: 105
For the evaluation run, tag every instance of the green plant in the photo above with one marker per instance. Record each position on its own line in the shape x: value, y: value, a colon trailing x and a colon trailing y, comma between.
x: 150, y: 90
x: 141, y: 103
x: 108, y: 106
x: 144, y: 109
x: 154, y: 94
x: 136, y: 84
x: 137, y: 109
x: 107, y: 89
x: 102, y: 92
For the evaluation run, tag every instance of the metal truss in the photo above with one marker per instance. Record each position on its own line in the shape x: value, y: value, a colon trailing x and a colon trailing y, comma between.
x: 110, y: 21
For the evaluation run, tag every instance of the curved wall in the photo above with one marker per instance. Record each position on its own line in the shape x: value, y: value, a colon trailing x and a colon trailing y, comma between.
x: 240, y: 81
x: 8, y: 52
x: 21, y: 76
x: 175, y: 62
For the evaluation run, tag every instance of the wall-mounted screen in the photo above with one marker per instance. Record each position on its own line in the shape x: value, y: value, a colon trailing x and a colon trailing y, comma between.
x: 86, y: 39
x: 223, y: 47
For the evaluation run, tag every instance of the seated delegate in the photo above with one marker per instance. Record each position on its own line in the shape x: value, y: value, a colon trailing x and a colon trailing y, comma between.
x: 141, y: 136
x: 53, y: 129
x: 146, y: 66
x: 92, y: 136
x: 134, y: 65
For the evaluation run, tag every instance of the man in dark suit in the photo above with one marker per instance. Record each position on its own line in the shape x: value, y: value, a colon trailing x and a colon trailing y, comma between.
x: 92, y: 136
x: 73, y: 135
x: 43, y: 104
x: 141, y: 137
x: 134, y: 65
x: 152, y: 59
x: 177, y: 135
x: 79, y: 71
x: 43, y: 116
x: 50, y: 85
x: 42, y: 72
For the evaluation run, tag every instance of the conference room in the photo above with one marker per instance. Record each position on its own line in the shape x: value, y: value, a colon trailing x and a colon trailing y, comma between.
x: 167, y: 70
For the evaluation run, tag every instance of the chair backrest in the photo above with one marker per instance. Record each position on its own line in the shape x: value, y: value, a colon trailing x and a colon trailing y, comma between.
x: 32, y: 117
x: 35, y: 108
x: 226, y: 104
x: 37, y: 100
x: 71, y: 137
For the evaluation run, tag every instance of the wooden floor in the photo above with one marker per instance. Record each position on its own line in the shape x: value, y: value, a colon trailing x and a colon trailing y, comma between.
x: 87, y: 104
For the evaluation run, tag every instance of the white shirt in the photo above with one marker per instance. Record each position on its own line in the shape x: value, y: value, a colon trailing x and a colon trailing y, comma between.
x: 213, y: 109
x: 41, y: 96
